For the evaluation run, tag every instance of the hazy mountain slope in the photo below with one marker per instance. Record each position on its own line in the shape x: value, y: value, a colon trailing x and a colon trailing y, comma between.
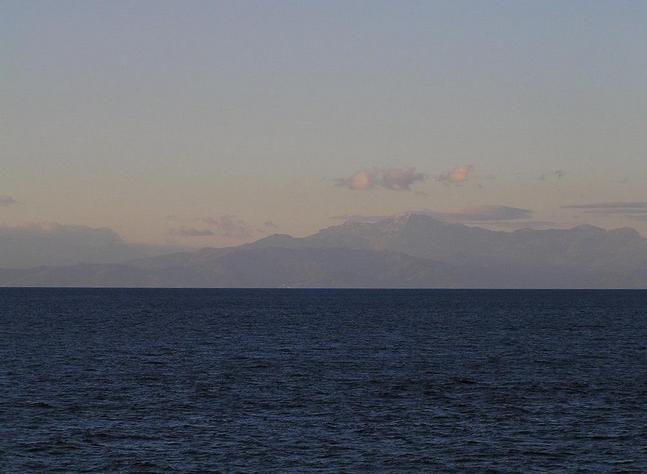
x: 82, y: 275
x: 410, y: 251
x: 583, y: 256
x: 186, y: 259
x: 331, y: 267
x: 252, y: 267
x: 423, y: 236
x: 56, y: 244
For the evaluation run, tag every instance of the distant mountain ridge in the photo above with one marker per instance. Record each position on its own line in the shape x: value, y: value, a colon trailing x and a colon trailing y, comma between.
x: 55, y: 244
x: 413, y: 251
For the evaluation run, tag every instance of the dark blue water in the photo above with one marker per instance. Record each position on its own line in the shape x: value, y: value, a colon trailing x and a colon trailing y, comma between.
x: 330, y: 381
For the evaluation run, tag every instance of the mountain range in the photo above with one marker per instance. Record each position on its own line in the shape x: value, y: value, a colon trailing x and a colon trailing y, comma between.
x: 412, y: 251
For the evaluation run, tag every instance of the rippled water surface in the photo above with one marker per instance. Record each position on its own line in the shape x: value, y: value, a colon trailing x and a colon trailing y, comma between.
x: 317, y: 380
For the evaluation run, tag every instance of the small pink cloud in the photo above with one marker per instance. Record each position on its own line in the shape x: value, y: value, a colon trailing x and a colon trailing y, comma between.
x: 394, y: 179
x: 458, y: 175
x: 360, y: 181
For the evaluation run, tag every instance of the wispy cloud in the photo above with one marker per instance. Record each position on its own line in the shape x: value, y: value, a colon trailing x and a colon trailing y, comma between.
x: 605, y: 206
x: 457, y: 176
x: 471, y: 214
x: 485, y: 213
x: 229, y: 227
x: 401, y: 179
x: 532, y: 225
x: 636, y: 210
x: 190, y: 232
x: 361, y: 217
x: 394, y: 179
x: 76, y: 234
x: 6, y: 201
x: 36, y: 244
x: 552, y: 176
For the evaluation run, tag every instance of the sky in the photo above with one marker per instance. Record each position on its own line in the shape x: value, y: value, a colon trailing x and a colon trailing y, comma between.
x: 201, y: 123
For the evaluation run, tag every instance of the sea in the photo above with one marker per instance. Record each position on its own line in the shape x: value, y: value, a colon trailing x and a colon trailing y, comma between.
x: 253, y: 381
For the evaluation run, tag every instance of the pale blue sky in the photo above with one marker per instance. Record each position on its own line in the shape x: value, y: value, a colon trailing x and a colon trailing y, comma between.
x: 148, y: 116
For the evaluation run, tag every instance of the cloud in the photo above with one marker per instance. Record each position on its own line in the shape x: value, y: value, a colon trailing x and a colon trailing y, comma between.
x: 394, y: 179
x: 470, y: 214
x: 7, y: 201
x: 190, y: 232
x: 361, y: 218
x: 360, y: 181
x: 555, y: 175
x: 605, y: 206
x: 229, y: 226
x: 60, y: 244
x: 270, y: 225
x: 398, y: 179
x: 636, y: 210
x: 638, y: 217
x: 486, y: 213
x: 70, y: 234
x: 459, y: 175
x: 532, y: 225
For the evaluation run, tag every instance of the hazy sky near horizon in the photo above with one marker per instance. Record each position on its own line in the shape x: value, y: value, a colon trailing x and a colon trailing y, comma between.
x: 215, y: 122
